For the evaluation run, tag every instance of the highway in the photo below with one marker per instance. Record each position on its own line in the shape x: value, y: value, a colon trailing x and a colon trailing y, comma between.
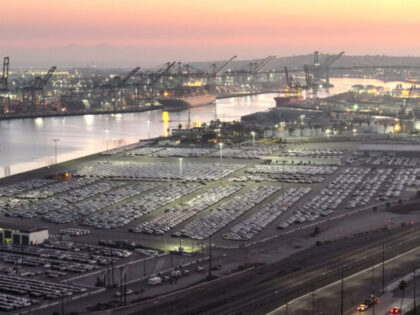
x: 262, y: 289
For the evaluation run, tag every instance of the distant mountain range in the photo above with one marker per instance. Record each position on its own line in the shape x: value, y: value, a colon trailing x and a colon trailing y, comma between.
x: 300, y: 60
x: 107, y: 56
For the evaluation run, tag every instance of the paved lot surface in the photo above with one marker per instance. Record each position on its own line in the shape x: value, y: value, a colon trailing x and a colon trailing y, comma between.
x: 115, y: 194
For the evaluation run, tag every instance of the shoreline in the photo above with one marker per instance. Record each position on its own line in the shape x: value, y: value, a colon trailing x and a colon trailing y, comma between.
x: 65, y: 114
x: 116, y: 111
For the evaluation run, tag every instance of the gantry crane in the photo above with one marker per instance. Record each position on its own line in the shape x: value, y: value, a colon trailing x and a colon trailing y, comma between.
x: 115, y: 87
x: 4, y: 86
x: 37, y: 85
x: 318, y: 74
x: 147, y: 83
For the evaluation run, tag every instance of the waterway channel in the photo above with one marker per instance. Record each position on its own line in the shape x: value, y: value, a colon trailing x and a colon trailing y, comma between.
x: 27, y: 144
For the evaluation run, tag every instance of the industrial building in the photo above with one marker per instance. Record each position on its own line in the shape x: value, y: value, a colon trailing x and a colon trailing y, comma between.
x: 23, y: 237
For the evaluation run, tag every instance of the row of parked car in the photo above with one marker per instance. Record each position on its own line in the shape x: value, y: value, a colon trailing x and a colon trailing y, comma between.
x: 329, y: 198
x: 379, y: 158
x: 292, y: 169
x: 179, y: 213
x: 181, y: 152
x: 143, y: 151
x: 120, y: 215
x: 29, y: 210
x: 60, y: 256
x: 19, y: 187
x: 88, y: 207
x: 312, y: 153
x: 47, y: 263
x: 400, y: 180
x: 36, y: 288
x: 257, y: 222
x: 294, y: 174
x: 214, y: 220
x: 245, y: 151
x: 191, y: 171
x: 11, y: 302
x: 54, y: 188
x: 74, y: 232
x: 371, y: 184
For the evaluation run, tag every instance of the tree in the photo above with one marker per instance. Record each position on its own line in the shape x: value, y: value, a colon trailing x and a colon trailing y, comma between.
x: 402, y: 287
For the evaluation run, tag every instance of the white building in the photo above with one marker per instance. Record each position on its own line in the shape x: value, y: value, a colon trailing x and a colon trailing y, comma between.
x: 23, y: 237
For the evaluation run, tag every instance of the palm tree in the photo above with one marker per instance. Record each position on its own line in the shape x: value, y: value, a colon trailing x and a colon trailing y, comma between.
x: 402, y: 287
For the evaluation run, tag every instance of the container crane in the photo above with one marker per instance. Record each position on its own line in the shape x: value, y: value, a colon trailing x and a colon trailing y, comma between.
x: 116, y: 85
x: 262, y: 64
x: 318, y: 74
x: 37, y: 86
x: 4, y: 87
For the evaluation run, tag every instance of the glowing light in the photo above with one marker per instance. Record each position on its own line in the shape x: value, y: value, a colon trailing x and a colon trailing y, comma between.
x: 39, y: 121
x: 397, y: 128
x: 89, y: 119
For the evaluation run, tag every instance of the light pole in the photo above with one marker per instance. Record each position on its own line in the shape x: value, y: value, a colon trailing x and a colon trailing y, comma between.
x: 221, y: 150
x: 106, y: 140
x: 180, y: 177
x: 284, y: 162
x: 55, y: 148
x: 414, y: 291
x: 253, y: 137
x: 148, y: 129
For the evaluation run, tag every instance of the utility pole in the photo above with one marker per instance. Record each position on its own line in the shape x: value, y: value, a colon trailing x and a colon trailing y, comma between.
x: 373, y: 274
x: 209, y: 257
x: 112, y: 269
x: 62, y: 303
x: 342, y: 293
x: 180, y: 176
x: 383, y: 267
x: 313, y: 302
x: 55, y: 148
x: 121, y: 286
x: 125, y: 288
x: 414, y: 291
x: 282, y: 184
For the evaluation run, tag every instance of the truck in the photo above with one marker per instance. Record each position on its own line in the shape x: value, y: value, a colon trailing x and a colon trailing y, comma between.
x: 154, y: 281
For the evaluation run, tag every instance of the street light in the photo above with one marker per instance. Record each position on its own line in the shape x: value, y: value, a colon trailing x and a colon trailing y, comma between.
x: 284, y: 162
x: 106, y: 140
x: 180, y: 176
x: 253, y: 137
x: 55, y: 148
x: 221, y: 150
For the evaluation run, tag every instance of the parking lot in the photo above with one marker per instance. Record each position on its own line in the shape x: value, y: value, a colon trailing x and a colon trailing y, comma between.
x: 168, y: 197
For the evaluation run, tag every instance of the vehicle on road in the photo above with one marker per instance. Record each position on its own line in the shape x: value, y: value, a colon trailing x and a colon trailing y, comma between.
x: 362, y: 308
x: 394, y: 310
x: 127, y: 292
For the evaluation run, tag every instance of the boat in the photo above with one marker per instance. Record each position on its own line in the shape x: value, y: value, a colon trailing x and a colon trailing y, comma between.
x: 288, y: 96
x: 186, y: 97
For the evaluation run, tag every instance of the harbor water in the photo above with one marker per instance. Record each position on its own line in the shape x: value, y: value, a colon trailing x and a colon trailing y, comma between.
x: 27, y: 144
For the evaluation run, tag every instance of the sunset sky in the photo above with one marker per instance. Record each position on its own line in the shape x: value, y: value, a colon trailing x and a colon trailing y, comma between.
x: 156, y: 30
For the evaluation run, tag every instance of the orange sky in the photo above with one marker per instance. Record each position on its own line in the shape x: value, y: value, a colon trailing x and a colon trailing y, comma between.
x: 215, y: 28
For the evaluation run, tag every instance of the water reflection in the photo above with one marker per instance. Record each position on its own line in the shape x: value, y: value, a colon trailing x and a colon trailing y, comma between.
x: 26, y: 143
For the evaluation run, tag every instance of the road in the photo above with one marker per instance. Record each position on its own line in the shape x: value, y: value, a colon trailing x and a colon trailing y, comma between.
x: 264, y: 288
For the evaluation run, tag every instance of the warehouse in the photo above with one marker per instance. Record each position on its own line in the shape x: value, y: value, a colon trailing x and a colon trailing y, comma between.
x: 23, y: 237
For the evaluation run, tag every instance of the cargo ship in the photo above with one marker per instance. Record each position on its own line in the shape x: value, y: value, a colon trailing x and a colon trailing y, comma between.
x: 288, y: 96
x: 186, y: 97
